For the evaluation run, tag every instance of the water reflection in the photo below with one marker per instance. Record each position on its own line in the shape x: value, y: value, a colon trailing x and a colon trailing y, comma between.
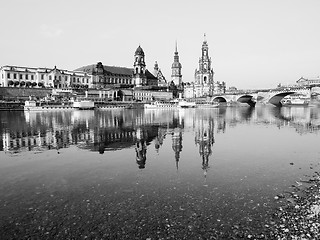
x: 115, y: 130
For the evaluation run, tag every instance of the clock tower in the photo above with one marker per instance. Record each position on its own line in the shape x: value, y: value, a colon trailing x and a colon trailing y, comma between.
x: 176, y: 76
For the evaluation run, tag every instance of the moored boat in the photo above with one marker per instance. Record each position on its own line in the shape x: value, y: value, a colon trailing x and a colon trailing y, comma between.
x: 83, y: 104
x: 37, y: 106
x: 207, y: 105
x: 186, y: 104
x: 295, y: 100
x: 160, y: 104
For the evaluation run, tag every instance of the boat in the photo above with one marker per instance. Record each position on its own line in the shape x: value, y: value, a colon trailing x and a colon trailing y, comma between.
x: 160, y: 104
x: 207, y: 105
x: 32, y: 105
x: 295, y: 100
x: 83, y: 104
x: 186, y: 104
x: 113, y: 106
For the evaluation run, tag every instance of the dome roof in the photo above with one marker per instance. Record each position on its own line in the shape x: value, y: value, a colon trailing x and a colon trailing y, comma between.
x: 139, y: 51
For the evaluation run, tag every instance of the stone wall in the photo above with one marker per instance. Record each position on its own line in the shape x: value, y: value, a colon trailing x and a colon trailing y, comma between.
x: 9, y: 93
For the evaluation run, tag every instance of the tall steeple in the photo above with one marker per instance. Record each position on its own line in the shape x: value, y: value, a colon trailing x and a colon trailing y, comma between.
x: 176, y: 76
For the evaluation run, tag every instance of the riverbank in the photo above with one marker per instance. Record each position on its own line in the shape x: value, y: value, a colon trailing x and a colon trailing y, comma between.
x: 296, y: 218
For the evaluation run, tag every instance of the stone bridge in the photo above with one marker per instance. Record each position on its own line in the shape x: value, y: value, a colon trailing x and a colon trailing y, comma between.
x: 229, y: 99
x: 272, y: 96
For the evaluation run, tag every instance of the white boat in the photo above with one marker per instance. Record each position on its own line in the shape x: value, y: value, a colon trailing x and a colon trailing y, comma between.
x: 207, y: 105
x: 159, y: 104
x: 36, y: 106
x: 83, y: 104
x: 295, y: 100
x: 186, y: 104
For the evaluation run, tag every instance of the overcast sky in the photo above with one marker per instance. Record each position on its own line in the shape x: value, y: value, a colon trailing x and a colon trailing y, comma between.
x: 253, y: 43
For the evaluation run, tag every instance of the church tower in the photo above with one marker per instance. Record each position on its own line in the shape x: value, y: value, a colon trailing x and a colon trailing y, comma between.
x: 204, y: 75
x: 139, y: 68
x: 176, y: 76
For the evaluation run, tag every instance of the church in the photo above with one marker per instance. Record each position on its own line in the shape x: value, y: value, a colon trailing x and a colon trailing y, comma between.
x: 204, y: 85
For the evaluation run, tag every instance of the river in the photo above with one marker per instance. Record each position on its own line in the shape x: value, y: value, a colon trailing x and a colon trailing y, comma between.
x: 151, y: 174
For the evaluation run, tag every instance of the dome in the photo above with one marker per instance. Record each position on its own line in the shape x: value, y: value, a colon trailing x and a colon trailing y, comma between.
x: 139, y: 51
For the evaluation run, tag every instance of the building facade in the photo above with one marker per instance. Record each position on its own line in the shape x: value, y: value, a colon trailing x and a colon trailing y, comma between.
x: 15, y: 76
x: 102, y: 82
x: 308, y: 82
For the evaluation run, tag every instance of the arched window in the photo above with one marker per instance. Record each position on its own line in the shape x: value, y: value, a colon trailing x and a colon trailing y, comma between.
x: 205, y: 79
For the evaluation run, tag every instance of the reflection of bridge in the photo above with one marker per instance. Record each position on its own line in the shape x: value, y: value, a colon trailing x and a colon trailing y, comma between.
x: 273, y: 96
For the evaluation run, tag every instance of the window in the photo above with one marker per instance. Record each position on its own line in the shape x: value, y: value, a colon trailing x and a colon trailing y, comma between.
x: 8, y: 75
x: 42, y: 76
x: 14, y: 76
x: 26, y: 76
x: 20, y: 76
x: 31, y: 77
x: 50, y: 78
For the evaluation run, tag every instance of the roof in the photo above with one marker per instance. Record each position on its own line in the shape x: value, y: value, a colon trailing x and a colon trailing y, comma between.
x: 139, y: 51
x: 109, y: 69
x: 149, y: 75
x: 113, y: 70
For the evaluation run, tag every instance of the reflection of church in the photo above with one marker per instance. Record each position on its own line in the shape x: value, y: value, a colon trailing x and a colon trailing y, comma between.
x: 141, y: 149
x: 204, y: 139
x: 177, y: 144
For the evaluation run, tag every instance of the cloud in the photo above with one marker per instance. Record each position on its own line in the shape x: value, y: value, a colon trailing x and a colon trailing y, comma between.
x: 50, y: 31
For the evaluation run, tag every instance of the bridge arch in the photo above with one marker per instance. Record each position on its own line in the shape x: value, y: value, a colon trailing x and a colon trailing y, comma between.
x: 247, y: 99
x: 276, y: 99
x: 219, y: 99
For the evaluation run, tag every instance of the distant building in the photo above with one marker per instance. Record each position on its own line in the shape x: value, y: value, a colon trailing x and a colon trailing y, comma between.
x: 16, y: 76
x: 106, y: 76
x: 162, y: 82
x: 102, y: 82
x: 308, y: 82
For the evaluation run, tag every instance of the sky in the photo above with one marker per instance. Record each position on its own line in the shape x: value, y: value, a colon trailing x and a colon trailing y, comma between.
x: 253, y: 44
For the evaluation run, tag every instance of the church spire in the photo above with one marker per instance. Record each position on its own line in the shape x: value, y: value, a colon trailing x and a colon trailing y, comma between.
x: 176, y: 76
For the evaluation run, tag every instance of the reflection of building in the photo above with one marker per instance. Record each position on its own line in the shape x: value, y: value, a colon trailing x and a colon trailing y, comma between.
x: 204, y: 129
x: 159, y: 138
x: 141, y: 149
x: 177, y: 144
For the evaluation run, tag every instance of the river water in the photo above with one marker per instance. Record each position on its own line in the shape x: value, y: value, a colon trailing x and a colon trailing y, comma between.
x: 150, y: 174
